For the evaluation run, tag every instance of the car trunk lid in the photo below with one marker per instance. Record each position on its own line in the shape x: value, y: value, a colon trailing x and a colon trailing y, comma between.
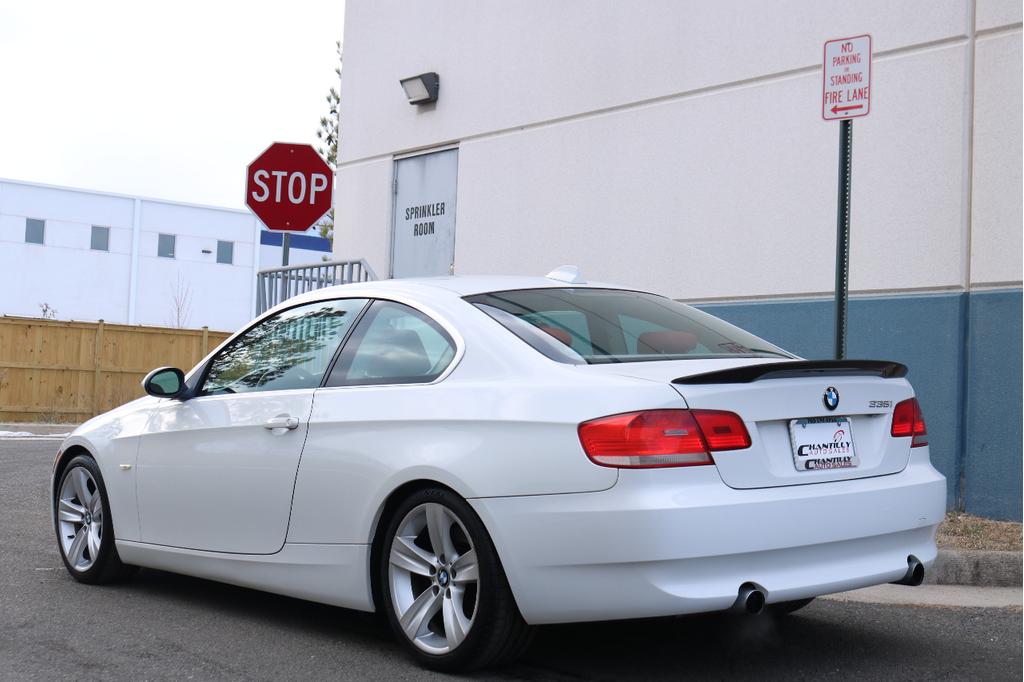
x: 784, y: 407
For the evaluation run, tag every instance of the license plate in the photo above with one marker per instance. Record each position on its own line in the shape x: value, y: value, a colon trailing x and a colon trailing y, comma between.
x: 822, y: 443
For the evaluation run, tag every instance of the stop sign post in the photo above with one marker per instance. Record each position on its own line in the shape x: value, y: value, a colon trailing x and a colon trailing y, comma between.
x: 289, y: 188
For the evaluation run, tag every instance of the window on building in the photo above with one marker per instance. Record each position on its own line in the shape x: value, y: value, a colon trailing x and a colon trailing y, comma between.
x: 165, y: 246
x: 225, y: 252
x: 35, y: 230
x: 100, y: 238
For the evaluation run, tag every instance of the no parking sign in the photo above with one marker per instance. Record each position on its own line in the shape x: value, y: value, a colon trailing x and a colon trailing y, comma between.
x: 846, y: 78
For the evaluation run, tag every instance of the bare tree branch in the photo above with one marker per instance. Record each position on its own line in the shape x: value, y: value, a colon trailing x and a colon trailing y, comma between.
x: 181, y: 304
x: 47, y: 311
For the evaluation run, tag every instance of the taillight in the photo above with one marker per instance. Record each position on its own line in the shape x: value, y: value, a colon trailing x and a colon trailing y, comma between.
x: 907, y: 420
x: 661, y: 438
x: 722, y: 430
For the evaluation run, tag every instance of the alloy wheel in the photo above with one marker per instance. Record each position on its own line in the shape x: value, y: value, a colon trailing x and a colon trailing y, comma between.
x: 80, y: 518
x: 434, y: 578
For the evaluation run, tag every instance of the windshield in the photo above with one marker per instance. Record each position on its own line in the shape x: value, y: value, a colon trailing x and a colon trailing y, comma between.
x: 612, y: 325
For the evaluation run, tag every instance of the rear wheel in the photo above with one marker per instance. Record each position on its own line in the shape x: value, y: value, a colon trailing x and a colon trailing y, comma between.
x: 784, y: 608
x: 85, y: 531
x: 444, y: 591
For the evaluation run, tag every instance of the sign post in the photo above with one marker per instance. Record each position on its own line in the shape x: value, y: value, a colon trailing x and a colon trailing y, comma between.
x: 289, y: 188
x: 846, y: 94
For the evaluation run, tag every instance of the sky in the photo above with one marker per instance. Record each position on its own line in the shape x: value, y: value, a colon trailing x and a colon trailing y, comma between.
x: 169, y: 100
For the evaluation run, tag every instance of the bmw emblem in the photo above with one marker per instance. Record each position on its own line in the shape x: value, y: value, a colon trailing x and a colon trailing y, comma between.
x: 831, y: 398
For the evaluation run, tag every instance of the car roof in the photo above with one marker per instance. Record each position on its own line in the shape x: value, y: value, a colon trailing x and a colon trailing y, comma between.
x: 468, y: 285
x: 460, y: 285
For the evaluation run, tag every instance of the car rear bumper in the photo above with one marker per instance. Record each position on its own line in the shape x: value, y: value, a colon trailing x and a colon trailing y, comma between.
x: 674, y: 541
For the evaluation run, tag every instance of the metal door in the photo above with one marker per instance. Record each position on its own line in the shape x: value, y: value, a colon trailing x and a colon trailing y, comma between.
x: 423, y: 236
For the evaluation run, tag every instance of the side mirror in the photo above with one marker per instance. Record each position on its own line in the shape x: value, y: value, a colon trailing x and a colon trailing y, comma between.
x: 165, y: 382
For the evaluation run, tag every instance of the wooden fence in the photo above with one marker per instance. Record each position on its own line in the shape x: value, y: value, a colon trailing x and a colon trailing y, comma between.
x: 53, y: 371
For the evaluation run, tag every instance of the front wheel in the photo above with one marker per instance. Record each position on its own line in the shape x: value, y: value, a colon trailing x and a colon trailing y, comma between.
x: 85, y: 532
x: 444, y: 591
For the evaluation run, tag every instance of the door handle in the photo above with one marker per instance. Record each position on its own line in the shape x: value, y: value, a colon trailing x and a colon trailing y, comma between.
x: 289, y: 423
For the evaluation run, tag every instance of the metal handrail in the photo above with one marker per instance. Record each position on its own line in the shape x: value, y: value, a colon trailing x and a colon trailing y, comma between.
x: 275, y: 285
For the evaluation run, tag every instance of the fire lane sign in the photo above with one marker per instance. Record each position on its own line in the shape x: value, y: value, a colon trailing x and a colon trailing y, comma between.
x: 846, y: 78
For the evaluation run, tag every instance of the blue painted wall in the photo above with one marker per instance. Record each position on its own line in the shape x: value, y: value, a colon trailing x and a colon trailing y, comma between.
x: 992, y: 459
x: 957, y: 346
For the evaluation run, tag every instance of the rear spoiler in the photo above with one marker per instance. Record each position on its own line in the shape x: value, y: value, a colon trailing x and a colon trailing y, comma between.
x: 798, y: 368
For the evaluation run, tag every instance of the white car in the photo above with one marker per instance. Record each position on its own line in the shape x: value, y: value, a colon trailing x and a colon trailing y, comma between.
x: 475, y: 455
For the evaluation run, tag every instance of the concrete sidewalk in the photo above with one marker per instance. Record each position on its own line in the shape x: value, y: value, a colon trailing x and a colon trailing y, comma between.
x: 37, y: 429
x: 965, y: 596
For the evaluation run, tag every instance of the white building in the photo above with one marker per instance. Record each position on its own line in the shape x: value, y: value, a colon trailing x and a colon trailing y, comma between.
x: 94, y: 255
x: 679, y: 147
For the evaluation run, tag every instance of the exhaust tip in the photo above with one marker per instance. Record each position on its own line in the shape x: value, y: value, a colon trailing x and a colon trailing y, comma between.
x: 915, y: 573
x: 750, y: 599
x: 755, y: 602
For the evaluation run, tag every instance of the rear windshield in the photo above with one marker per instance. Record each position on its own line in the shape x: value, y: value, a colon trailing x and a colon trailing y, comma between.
x: 611, y: 325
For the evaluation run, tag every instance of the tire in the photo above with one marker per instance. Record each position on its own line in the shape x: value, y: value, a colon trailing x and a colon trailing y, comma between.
x: 86, y: 544
x: 784, y: 608
x: 451, y: 614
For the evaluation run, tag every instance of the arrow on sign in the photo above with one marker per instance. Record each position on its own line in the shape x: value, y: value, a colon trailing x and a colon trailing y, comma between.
x: 837, y: 109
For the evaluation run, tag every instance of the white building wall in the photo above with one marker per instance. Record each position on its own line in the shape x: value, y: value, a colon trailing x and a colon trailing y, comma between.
x: 362, y: 212
x: 64, y: 273
x: 995, y: 236
x: 681, y: 147
x: 504, y: 64
x: 83, y: 284
x: 216, y: 291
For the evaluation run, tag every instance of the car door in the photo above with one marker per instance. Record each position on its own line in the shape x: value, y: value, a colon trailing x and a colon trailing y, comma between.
x: 366, y: 420
x: 217, y: 471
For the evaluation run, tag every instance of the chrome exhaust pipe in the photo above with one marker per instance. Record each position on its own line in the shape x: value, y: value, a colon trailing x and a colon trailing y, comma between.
x: 914, y: 575
x: 750, y: 599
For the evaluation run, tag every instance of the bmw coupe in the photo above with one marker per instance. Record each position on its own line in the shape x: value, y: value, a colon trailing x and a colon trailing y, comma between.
x: 472, y: 456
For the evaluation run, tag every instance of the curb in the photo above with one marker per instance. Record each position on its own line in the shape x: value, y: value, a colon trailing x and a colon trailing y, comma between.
x: 38, y: 429
x: 980, y: 568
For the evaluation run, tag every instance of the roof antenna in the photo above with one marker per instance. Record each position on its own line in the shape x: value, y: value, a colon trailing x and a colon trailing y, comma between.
x: 567, y: 273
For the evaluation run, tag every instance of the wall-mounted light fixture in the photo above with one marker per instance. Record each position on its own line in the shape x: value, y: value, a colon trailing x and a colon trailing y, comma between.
x: 421, y: 89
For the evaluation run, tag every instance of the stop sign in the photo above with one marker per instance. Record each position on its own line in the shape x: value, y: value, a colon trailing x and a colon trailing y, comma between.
x: 288, y: 187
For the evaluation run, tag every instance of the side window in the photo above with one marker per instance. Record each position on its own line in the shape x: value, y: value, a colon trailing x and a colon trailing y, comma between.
x: 393, y: 344
x: 289, y: 350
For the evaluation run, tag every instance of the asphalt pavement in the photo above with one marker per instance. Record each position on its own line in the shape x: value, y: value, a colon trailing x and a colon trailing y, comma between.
x: 162, y: 626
